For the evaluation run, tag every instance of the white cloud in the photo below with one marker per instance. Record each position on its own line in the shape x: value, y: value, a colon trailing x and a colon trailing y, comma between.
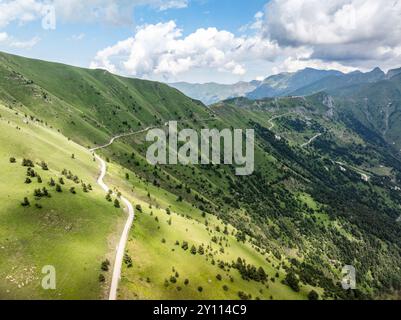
x: 22, y: 11
x: 3, y: 36
x: 78, y: 37
x: 257, y: 24
x: 172, y: 4
x: 293, y: 64
x: 348, y: 32
x: 161, y: 49
x: 108, y: 11
x: 116, y: 12
x: 12, y: 42
x: 28, y: 44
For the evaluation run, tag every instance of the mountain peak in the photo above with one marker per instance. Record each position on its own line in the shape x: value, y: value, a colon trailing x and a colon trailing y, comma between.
x: 393, y: 72
x: 377, y: 70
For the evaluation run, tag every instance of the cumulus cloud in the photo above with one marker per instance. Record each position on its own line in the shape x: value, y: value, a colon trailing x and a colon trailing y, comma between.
x: 3, y: 36
x: 349, y: 32
x: 12, y: 42
x: 109, y: 11
x: 28, y: 44
x: 161, y: 49
x: 22, y: 11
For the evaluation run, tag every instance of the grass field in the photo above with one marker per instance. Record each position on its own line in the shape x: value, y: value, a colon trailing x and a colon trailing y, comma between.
x: 155, y: 247
x: 73, y: 233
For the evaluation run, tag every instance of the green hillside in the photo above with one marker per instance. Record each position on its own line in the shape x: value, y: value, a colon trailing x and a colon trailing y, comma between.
x: 377, y: 107
x: 323, y: 194
x: 53, y: 101
x: 89, y: 106
x: 72, y: 232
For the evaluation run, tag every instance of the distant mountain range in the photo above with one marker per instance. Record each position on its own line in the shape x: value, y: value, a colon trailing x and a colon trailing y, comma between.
x: 210, y: 93
x: 301, y: 83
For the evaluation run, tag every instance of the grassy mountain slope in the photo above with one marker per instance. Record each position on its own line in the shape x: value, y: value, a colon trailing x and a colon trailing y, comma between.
x: 284, y: 84
x: 55, y: 101
x: 334, y: 83
x: 285, y: 230
x: 89, y: 105
x: 376, y: 106
x: 327, y: 178
x: 72, y: 232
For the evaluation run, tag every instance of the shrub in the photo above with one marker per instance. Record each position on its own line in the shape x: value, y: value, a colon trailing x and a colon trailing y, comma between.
x: 28, y: 180
x: 225, y: 288
x: 292, y: 281
x: 138, y: 207
x: 25, y: 203
x: 116, y: 203
x: 44, y: 166
x: 12, y: 160
x: 85, y: 188
x: 184, y: 245
x: 200, y: 289
x: 186, y: 282
x: 128, y: 260
x: 219, y: 277
x: 105, y: 265
x: 45, y: 193
x: 58, y: 188
x: 193, y: 250
x: 243, y: 296
x: 27, y: 163
x: 31, y: 173
x: 72, y: 190
x: 38, y: 193
x: 313, y: 295
x: 102, y: 278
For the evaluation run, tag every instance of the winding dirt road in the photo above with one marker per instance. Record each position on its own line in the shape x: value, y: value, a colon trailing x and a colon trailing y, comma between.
x: 131, y: 215
x: 272, y: 124
x: 311, y: 140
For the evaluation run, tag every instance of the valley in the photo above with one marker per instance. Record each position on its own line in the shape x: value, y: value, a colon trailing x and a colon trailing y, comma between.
x: 324, y: 193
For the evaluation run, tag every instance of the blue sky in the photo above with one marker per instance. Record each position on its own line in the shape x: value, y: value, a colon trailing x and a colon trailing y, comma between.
x: 64, y: 44
x: 206, y: 40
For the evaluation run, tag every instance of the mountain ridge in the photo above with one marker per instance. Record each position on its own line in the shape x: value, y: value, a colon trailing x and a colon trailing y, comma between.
x: 303, y: 82
x: 324, y: 178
